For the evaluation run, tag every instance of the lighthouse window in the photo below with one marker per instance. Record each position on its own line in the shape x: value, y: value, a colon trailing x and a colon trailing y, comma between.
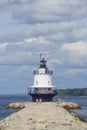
x: 36, y: 82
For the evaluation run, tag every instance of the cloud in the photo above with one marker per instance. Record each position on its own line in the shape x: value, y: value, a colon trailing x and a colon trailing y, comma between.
x: 76, y: 53
x: 52, y: 32
x: 58, y: 21
x: 56, y: 28
x: 66, y: 54
x: 76, y: 72
x: 40, y: 11
x: 18, y: 59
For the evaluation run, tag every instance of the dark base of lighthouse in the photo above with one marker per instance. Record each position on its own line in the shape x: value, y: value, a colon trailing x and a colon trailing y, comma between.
x: 42, y: 97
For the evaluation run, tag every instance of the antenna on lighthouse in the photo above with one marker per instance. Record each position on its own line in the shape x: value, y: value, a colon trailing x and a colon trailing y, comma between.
x: 40, y: 56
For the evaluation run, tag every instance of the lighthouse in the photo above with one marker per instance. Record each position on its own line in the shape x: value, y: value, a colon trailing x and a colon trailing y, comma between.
x: 42, y: 89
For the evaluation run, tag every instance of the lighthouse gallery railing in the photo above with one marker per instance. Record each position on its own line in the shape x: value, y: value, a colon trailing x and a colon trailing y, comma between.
x: 41, y: 91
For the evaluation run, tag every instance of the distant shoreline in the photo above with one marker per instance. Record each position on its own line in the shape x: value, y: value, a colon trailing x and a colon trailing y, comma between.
x: 74, y: 91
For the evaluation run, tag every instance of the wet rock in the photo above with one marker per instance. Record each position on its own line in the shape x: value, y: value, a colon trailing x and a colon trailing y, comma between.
x: 16, y: 105
x: 69, y: 105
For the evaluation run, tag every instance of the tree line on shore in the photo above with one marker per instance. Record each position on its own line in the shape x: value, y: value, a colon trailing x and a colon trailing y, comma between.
x: 74, y: 92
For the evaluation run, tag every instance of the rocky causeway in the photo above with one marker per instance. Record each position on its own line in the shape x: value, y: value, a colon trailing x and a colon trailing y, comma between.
x: 43, y: 116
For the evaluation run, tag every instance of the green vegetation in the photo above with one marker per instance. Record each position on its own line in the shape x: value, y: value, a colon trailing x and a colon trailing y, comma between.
x: 74, y: 92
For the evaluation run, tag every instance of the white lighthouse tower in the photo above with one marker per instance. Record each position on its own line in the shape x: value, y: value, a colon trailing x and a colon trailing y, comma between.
x: 42, y: 89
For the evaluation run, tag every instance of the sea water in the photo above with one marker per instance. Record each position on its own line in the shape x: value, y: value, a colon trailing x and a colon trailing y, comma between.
x: 6, y: 99
x: 82, y: 102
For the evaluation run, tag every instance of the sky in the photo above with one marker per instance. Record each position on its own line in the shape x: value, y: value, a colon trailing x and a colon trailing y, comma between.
x: 55, y: 28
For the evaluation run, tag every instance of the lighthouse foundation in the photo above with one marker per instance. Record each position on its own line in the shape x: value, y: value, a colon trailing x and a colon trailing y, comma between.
x: 42, y: 97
